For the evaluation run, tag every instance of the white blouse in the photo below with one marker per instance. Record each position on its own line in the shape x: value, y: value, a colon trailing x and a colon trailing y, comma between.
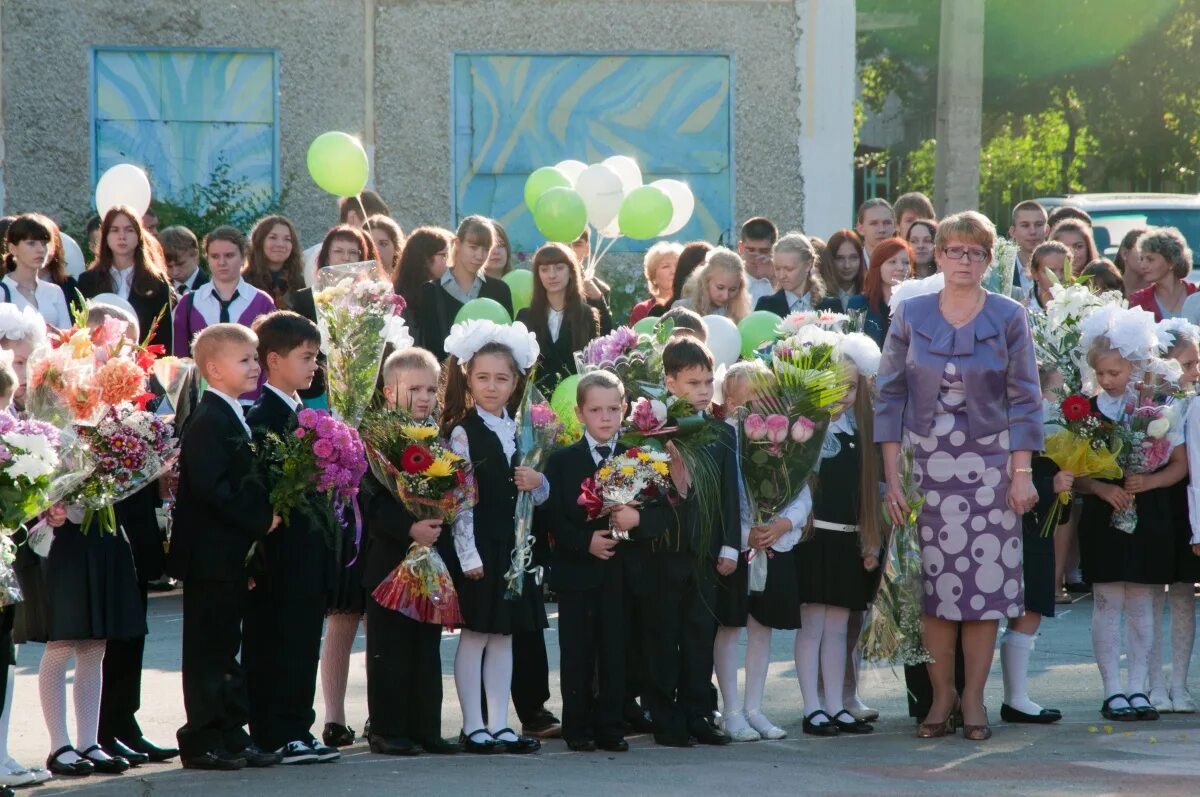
x: 49, y: 301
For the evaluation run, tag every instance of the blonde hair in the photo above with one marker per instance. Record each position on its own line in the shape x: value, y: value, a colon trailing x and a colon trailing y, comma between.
x: 968, y: 226
x: 413, y: 358
x: 212, y: 341
x: 654, y: 258
x: 720, y: 261
x: 799, y: 244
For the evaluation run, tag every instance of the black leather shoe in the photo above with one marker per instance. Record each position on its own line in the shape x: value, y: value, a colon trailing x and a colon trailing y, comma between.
x: 1146, y: 712
x: 75, y: 769
x: 613, y: 745
x: 1122, y: 714
x: 257, y: 758
x: 480, y: 742
x: 518, y: 746
x: 846, y: 723
x: 395, y: 745
x: 673, y: 740
x: 581, y: 745
x: 117, y: 748
x: 156, y: 753
x: 707, y: 733
x: 1045, y: 717
x: 109, y: 765
x: 214, y: 759
x: 336, y: 735
x: 543, y: 725
x: 440, y: 746
x: 828, y: 728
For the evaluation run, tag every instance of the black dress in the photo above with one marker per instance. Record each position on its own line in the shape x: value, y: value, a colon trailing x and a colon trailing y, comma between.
x: 830, y: 563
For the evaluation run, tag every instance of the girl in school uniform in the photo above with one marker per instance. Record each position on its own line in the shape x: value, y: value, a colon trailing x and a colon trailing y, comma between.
x: 484, y: 382
x: 719, y: 287
x: 838, y: 559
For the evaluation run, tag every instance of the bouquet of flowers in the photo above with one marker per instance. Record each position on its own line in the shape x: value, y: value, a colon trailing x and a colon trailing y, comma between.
x: 539, y: 433
x: 628, y: 479
x: 1148, y: 447
x: 358, y: 314
x: 131, y: 448
x: 1058, y: 332
x: 1088, y: 444
x: 999, y: 276
x: 834, y: 322
x: 316, y: 469
x: 635, y: 358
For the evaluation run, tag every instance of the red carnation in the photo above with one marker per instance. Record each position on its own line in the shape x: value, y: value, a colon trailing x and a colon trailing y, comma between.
x: 415, y: 459
x: 1076, y: 408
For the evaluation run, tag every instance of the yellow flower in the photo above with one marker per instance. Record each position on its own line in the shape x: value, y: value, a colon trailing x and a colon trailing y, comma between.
x: 604, y: 472
x: 628, y: 470
x: 661, y: 468
x: 419, y: 433
x: 439, y: 468
x: 81, y: 345
x: 643, y: 456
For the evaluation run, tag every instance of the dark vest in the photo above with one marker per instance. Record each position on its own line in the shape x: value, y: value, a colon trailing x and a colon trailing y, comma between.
x: 836, y: 496
x: 497, y: 504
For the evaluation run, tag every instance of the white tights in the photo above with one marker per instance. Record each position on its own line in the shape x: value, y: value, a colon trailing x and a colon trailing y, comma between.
x: 758, y: 659
x: 1136, y: 603
x: 821, y: 650
x: 52, y: 688
x: 1183, y: 636
x: 484, y: 659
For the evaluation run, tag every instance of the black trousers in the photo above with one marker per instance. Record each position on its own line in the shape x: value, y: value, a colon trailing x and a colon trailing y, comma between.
x: 920, y: 688
x: 281, y: 653
x: 121, y: 694
x: 214, y: 686
x: 591, y: 635
x: 404, y: 675
x: 678, y: 631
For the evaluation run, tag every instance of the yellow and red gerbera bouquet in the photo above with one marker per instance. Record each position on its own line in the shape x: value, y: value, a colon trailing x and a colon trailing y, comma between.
x: 628, y: 479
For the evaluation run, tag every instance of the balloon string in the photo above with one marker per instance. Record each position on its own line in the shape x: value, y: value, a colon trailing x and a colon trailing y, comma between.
x: 366, y: 221
x: 601, y: 251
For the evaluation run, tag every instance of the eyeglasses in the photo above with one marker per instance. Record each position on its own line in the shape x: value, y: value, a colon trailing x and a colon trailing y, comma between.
x: 974, y: 253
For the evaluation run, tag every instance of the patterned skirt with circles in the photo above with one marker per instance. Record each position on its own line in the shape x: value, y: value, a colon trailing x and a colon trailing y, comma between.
x: 970, y: 539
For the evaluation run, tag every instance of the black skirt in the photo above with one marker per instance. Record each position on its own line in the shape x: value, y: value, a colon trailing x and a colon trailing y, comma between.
x: 830, y: 570
x: 778, y: 605
x: 1147, y: 556
x: 484, y: 608
x: 86, y: 588
x: 732, y: 600
x: 348, y: 595
x: 1187, y: 564
x: 1038, y: 567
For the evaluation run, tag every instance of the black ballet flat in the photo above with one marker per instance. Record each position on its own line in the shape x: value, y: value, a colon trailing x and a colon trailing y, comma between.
x: 829, y: 728
x: 76, y: 769
x: 1125, y: 714
x: 520, y: 746
x: 485, y: 745
x: 112, y: 765
x: 852, y: 725
x: 1145, y: 713
x: 1045, y: 717
x: 336, y: 735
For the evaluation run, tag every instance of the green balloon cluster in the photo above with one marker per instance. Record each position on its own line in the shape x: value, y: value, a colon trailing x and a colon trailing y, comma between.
x: 756, y: 329
x: 520, y: 283
x: 560, y: 215
x: 645, y: 213
x: 483, y: 310
x: 338, y: 163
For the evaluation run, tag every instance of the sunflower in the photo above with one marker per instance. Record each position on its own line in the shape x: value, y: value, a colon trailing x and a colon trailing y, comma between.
x: 420, y: 433
x: 415, y: 459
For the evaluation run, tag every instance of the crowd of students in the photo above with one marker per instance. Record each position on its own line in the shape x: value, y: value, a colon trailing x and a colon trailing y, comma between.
x: 644, y: 624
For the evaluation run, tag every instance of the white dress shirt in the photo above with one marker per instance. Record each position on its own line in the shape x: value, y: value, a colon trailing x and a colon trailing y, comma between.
x: 592, y: 443
x: 554, y: 322
x: 232, y: 402
x: 759, y: 287
x: 122, y: 279
x: 797, y: 303
x: 204, y: 299
x: 48, y: 300
x: 1112, y: 407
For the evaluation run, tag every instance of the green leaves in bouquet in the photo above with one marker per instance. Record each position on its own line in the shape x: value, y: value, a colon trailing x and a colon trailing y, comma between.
x: 804, y: 381
x: 284, y: 466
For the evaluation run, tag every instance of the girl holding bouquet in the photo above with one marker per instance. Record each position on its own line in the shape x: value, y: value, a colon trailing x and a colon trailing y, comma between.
x: 484, y: 385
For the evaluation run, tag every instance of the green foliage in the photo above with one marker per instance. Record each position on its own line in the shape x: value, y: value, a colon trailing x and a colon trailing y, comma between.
x: 225, y: 199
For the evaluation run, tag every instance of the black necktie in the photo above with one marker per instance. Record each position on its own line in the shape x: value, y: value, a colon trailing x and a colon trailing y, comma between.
x: 182, y: 288
x: 224, y: 317
x: 604, y: 451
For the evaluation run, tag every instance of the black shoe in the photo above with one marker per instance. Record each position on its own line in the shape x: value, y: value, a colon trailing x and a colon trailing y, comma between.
x: 1125, y: 714
x: 707, y: 733
x: 76, y: 769
x: 542, y: 725
x: 395, y: 745
x: 336, y: 735
x: 1079, y: 588
x: 439, y: 746
x: 296, y: 753
x: 117, y: 748
x: 673, y: 740
x: 258, y: 759
x: 581, y: 745
x: 214, y: 759
x: 1146, y: 712
x: 850, y: 724
x: 638, y: 720
x: 109, y: 765
x: 612, y: 745
x: 156, y: 753
x: 1045, y: 717
x: 480, y: 742
x: 829, y: 728
x: 518, y: 746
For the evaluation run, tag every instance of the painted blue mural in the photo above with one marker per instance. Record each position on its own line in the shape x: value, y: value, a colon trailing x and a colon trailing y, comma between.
x: 177, y: 113
x: 516, y: 112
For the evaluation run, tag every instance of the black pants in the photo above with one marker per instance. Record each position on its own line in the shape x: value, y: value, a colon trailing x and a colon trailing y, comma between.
x: 404, y: 675
x: 678, y: 631
x: 121, y: 694
x: 591, y: 635
x: 281, y: 654
x: 920, y: 688
x: 214, y: 686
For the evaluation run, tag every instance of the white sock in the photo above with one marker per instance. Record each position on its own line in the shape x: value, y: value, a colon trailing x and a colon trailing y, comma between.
x: 808, y: 656
x: 853, y: 658
x: 1139, y: 608
x: 497, y: 683
x: 1182, y: 598
x: 758, y: 659
x: 834, y: 660
x: 468, y: 678
x: 86, y: 689
x: 6, y: 713
x: 1015, y: 649
x: 1106, y: 637
x: 725, y: 663
x: 52, y: 691
x: 340, y: 631
x: 1158, y: 677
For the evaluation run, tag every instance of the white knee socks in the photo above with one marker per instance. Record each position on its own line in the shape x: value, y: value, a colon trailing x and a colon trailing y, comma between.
x: 1015, y: 650
x: 340, y: 631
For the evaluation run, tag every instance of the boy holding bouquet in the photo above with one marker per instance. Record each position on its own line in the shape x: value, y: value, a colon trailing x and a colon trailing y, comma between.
x: 218, y: 515
x: 291, y: 569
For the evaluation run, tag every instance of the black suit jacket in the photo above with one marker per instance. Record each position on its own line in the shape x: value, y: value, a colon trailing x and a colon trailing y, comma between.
x: 219, y: 509
x: 777, y: 303
x: 202, y: 278
x: 295, y: 556
x: 146, y: 306
x: 438, y: 309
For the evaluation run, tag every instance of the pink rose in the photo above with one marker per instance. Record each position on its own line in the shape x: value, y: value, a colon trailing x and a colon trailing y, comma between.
x: 802, y: 430
x: 777, y: 428
x: 756, y: 427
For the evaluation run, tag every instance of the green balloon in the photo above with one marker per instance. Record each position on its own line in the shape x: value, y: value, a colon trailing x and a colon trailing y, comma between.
x: 756, y: 329
x: 561, y: 215
x: 541, y: 181
x: 483, y: 310
x: 646, y: 326
x: 563, y: 402
x: 338, y: 163
x: 645, y: 213
x: 520, y: 283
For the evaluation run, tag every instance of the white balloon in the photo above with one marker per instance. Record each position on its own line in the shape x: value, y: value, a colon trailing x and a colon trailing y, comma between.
x: 613, y: 230
x: 571, y: 169
x: 123, y: 184
x: 603, y: 192
x: 74, y: 256
x: 682, y: 201
x: 723, y: 339
x: 627, y: 169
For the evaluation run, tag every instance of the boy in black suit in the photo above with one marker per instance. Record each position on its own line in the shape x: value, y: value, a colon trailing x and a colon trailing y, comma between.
x: 697, y: 544
x: 292, y: 568
x: 218, y: 515
x: 587, y: 574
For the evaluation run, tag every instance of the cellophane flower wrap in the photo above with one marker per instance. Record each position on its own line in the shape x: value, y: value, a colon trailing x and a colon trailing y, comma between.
x: 1151, y: 432
x: 635, y: 358
x: 315, y: 469
x: 1058, y: 332
x: 1086, y: 444
x: 999, y: 276
x: 628, y: 479
x: 357, y: 313
x: 894, y: 631
x: 433, y: 483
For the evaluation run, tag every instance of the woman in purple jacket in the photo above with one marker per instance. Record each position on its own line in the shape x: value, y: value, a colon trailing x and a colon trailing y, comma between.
x: 958, y: 385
